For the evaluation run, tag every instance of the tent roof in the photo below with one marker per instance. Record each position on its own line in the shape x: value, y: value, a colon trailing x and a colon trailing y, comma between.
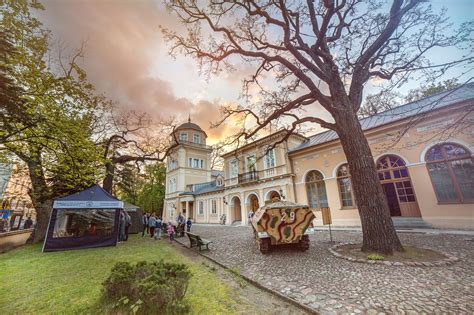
x: 130, y: 206
x: 92, y: 198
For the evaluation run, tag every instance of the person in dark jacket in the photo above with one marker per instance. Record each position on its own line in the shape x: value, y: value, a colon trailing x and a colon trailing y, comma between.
x: 189, y: 223
x: 158, y: 227
x: 152, y: 224
x: 28, y: 223
x: 128, y: 223
x: 145, y: 223
x: 122, y: 226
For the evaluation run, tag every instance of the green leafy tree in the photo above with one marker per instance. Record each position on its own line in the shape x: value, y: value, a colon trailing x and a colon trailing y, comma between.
x: 56, y: 97
x: 152, y: 192
x: 146, y: 190
x: 431, y: 89
x: 128, y: 183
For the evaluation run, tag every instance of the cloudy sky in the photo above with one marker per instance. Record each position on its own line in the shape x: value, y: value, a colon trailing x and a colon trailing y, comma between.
x: 127, y: 59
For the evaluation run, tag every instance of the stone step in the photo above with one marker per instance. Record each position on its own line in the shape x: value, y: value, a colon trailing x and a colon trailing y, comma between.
x: 236, y: 223
x: 410, y: 222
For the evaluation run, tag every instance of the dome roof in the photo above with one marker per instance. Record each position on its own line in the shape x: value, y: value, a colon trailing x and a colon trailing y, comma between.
x: 190, y: 125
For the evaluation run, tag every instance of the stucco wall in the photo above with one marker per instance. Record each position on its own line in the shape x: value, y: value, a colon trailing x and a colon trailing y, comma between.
x: 411, y: 147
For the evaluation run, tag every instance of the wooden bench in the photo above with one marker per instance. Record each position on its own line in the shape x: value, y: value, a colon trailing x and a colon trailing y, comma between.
x: 196, y: 240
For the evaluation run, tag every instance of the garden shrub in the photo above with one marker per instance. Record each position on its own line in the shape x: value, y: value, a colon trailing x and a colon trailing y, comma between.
x: 148, y: 287
x: 375, y: 257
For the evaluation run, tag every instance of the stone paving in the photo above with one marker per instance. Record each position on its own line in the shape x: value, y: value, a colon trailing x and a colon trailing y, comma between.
x: 331, y: 285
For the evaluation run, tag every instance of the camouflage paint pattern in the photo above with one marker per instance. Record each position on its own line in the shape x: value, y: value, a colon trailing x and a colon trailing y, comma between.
x: 284, y: 222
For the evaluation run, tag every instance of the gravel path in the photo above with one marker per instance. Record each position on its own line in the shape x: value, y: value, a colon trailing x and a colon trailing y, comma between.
x: 331, y: 285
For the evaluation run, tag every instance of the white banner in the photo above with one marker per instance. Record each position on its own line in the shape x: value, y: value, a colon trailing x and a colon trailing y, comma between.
x: 78, y: 204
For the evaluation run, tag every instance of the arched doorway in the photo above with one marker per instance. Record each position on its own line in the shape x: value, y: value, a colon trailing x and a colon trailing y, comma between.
x: 396, y: 183
x: 316, y: 190
x: 252, y: 203
x: 272, y: 194
x: 236, y: 210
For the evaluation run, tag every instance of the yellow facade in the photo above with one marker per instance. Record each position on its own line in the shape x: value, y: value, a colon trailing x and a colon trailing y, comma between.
x: 253, y: 174
x: 411, y: 147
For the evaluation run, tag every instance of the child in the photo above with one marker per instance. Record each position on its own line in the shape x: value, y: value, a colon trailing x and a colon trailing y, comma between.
x: 188, y: 225
x: 170, y: 231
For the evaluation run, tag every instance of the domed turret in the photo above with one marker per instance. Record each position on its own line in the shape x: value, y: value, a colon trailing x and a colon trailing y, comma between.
x: 190, y: 132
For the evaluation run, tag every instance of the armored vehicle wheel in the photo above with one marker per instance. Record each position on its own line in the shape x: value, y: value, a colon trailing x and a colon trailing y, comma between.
x: 264, y: 245
x: 303, y: 244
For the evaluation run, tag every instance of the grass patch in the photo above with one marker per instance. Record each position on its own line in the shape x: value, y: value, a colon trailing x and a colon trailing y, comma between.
x: 70, y: 282
x: 375, y: 257
x: 237, y: 277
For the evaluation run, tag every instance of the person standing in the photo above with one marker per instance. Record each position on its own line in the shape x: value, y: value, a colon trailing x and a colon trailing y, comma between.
x: 145, y: 223
x: 128, y: 223
x: 189, y: 223
x: 170, y: 231
x: 152, y: 224
x: 28, y: 223
x: 158, y: 226
x: 180, y: 219
x: 250, y: 216
x: 121, y: 226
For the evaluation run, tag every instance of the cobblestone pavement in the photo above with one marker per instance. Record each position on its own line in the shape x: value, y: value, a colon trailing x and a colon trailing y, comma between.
x: 332, y: 285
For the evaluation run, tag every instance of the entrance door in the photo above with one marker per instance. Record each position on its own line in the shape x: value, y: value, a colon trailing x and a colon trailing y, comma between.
x: 395, y: 180
x: 392, y: 199
x: 191, y: 210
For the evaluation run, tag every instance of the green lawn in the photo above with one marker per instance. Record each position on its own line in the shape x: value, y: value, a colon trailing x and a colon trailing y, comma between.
x: 70, y: 281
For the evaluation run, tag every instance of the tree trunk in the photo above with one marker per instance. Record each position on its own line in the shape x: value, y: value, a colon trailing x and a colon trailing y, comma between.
x: 39, y: 194
x: 379, y: 233
x: 108, y: 182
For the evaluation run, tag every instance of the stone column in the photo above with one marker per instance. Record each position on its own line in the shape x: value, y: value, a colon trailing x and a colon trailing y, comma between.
x: 261, y: 198
x: 243, y: 209
x: 187, y: 210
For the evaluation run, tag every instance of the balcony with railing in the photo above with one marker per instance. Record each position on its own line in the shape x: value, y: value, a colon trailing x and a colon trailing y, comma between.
x: 255, y: 175
x: 248, y: 177
x: 274, y: 171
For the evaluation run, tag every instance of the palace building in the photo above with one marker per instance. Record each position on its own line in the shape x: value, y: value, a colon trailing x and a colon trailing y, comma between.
x: 423, y: 152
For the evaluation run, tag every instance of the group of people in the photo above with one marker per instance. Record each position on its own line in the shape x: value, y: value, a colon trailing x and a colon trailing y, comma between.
x: 7, y: 225
x: 153, y: 225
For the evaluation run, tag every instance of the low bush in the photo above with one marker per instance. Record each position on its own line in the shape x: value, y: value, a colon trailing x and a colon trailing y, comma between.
x: 375, y: 257
x: 145, y: 288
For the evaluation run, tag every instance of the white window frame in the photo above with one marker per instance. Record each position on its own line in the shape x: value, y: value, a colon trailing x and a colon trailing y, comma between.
x: 270, y: 156
x: 183, y: 136
x: 197, y: 137
x: 247, y: 168
x: 201, y: 207
x: 233, y: 169
x: 213, y: 206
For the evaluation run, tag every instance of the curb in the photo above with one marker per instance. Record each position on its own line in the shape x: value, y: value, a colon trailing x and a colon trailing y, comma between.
x: 305, y: 308
x: 449, y: 260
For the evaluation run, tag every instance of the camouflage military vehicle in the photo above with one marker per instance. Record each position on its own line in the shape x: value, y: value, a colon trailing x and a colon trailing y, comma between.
x: 283, y: 222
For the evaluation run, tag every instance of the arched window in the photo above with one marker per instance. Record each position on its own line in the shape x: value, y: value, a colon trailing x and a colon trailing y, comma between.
x: 345, y: 186
x: 452, y: 173
x: 316, y: 190
x: 392, y: 169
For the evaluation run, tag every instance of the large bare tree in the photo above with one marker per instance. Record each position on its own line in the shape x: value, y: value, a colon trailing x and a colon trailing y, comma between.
x: 320, y: 52
x: 128, y: 137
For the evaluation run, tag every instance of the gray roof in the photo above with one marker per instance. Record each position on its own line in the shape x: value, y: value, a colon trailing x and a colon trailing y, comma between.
x: 437, y: 101
x: 203, y: 188
x: 190, y: 125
